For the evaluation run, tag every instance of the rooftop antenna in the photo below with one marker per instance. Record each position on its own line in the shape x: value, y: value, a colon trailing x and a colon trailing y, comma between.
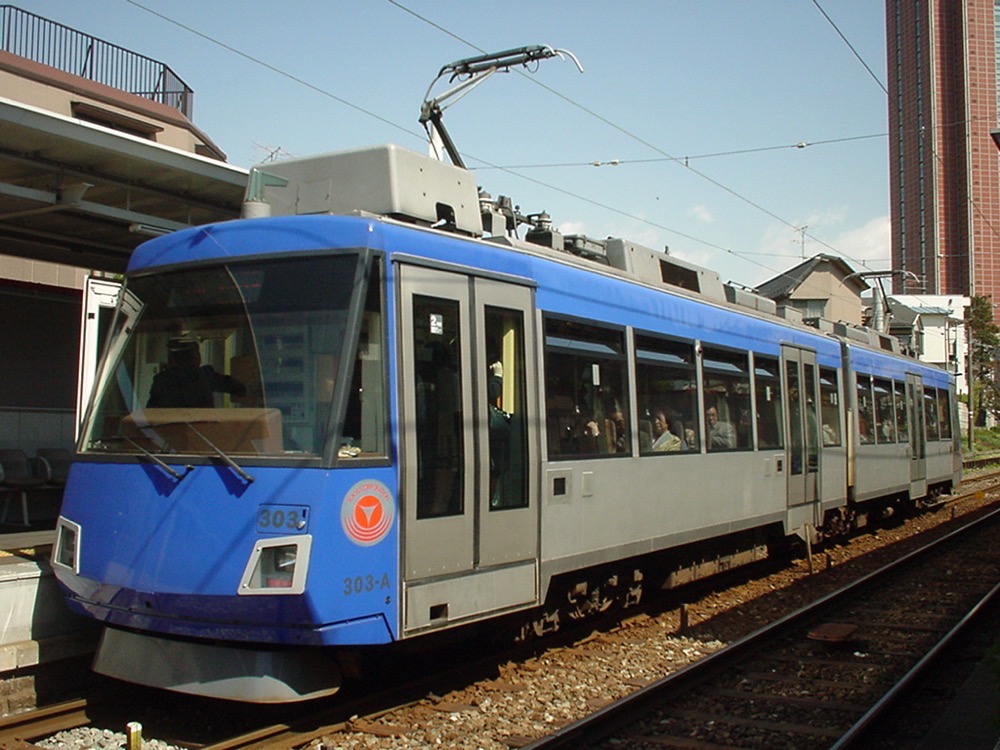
x: 802, y: 237
x: 469, y: 73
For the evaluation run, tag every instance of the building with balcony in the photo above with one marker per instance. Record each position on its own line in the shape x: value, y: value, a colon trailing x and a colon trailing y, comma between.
x: 98, y: 153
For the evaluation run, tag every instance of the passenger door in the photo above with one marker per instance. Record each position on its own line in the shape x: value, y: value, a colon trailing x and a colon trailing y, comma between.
x: 438, y: 449
x: 469, y: 459
x: 802, y: 447
x: 918, y: 435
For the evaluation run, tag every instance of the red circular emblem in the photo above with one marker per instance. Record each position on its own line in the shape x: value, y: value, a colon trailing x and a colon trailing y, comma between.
x: 367, y: 512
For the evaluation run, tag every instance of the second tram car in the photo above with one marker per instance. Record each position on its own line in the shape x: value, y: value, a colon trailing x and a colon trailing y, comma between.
x: 378, y: 414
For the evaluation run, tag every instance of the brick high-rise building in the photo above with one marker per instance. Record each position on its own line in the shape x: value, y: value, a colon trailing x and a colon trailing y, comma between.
x: 944, y: 169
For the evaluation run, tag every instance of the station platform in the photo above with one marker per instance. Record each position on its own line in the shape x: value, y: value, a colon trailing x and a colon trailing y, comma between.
x: 35, y: 625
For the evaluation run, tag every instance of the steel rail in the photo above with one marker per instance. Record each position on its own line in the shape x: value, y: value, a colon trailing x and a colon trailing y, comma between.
x: 858, y: 731
x: 18, y: 730
x: 579, y: 732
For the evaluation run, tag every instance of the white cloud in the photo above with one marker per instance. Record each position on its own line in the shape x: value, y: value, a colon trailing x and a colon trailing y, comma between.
x: 702, y: 213
x: 871, y: 243
x: 571, y: 227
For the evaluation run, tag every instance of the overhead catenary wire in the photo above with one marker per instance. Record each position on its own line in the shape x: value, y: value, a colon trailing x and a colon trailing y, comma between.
x: 851, y: 47
x: 413, y: 132
x: 633, y: 136
x: 416, y: 134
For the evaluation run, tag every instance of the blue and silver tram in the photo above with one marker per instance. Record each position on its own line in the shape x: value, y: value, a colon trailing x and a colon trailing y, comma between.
x: 341, y: 429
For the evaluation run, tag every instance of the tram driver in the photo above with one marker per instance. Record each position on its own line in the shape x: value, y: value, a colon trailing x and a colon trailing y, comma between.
x: 186, y: 383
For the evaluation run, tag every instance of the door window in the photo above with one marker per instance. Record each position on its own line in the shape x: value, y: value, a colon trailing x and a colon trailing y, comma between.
x: 794, y: 415
x: 439, y: 428
x: 506, y: 409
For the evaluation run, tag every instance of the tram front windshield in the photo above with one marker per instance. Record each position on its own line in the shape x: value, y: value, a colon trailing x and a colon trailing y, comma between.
x: 243, y: 359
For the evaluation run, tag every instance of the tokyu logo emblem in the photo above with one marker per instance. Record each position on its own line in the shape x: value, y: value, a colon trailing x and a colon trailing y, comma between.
x: 367, y: 512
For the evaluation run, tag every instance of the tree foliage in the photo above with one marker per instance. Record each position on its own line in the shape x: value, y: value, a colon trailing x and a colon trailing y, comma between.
x: 984, y: 338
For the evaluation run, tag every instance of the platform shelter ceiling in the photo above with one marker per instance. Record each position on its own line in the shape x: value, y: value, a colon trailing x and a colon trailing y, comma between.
x: 86, y: 196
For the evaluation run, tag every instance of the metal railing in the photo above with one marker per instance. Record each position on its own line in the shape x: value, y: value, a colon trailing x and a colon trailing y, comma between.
x: 50, y: 43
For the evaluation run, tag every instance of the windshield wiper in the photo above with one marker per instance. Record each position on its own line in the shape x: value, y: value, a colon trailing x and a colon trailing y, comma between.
x: 162, y: 464
x: 222, y: 454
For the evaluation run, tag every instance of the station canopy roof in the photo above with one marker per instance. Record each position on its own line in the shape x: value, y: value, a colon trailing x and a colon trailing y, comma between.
x: 86, y: 196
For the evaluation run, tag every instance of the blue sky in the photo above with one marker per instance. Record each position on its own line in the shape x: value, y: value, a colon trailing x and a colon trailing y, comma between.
x: 702, y: 102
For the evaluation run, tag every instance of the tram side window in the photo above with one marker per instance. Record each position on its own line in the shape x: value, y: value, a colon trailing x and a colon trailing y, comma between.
x: 829, y: 400
x: 728, y: 415
x: 931, y: 413
x: 364, y: 433
x: 899, y: 396
x: 866, y: 410
x: 767, y: 384
x: 944, y: 413
x: 885, y: 420
x: 667, y: 394
x: 585, y: 387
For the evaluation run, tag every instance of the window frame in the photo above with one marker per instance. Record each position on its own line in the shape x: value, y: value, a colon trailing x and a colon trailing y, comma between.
x: 593, y: 435
x: 743, y: 375
x: 645, y: 343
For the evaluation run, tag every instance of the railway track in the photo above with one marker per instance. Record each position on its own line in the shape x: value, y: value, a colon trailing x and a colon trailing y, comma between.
x: 18, y: 730
x: 384, y: 719
x: 821, y: 676
x: 979, y: 462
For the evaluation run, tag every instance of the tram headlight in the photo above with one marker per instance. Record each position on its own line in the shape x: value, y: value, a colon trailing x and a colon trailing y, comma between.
x: 67, y: 546
x: 277, y: 566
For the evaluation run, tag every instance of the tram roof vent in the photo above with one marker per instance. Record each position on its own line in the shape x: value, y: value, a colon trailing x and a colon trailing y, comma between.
x: 790, y: 313
x: 746, y: 298
x: 588, y: 248
x: 822, y: 324
x: 888, y: 343
x: 660, y: 268
x: 854, y: 333
x: 387, y: 180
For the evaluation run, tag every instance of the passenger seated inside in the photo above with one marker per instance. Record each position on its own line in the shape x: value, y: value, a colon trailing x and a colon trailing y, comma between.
x: 665, y: 440
x: 618, y: 432
x: 186, y: 383
x: 721, y: 435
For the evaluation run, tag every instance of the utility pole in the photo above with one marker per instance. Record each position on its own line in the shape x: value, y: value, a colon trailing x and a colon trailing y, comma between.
x: 970, y: 381
x: 802, y: 238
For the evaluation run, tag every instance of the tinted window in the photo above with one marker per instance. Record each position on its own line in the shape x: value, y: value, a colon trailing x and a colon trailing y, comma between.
x: 667, y: 394
x: 728, y: 417
x: 767, y: 383
x: 586, y: 409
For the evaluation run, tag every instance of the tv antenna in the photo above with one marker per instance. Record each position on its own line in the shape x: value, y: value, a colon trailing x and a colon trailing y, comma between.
x: 469, y: 73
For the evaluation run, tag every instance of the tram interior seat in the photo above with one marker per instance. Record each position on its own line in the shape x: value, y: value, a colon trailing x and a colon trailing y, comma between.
x: 561, y: 424
x: 645, y: 436
x: 53, y: 464
x: 16, y: 481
